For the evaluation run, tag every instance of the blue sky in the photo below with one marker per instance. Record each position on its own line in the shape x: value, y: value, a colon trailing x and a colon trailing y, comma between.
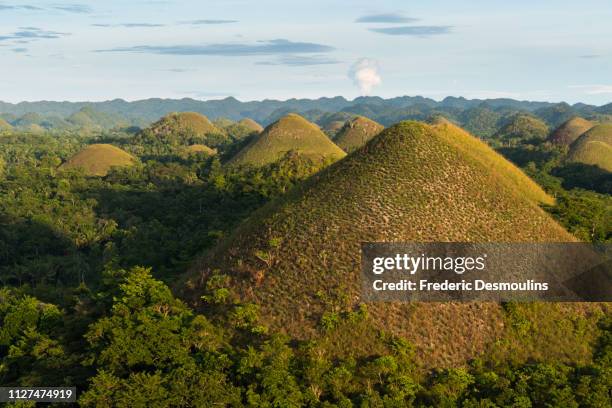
x: 553, y: 50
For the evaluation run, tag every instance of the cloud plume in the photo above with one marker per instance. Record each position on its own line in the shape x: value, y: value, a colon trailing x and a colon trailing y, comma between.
x: 365, y: 75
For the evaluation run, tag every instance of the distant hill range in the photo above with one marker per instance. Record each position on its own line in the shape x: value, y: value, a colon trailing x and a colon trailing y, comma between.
x: 480, y: 116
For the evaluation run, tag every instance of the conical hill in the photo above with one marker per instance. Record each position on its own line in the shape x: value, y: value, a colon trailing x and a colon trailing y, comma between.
x: 594, y: 147
x: 98, y: 159
x: 291, y: 133
x: 412, y: 182
x: 357, y: 132
x: 569, y: 131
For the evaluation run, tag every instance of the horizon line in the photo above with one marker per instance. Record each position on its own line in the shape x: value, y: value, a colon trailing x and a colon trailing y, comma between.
x: 230, y: 97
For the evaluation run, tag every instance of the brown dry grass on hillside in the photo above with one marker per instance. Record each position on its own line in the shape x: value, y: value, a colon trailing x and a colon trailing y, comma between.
x: 569, y: 131
x: 98, y: 159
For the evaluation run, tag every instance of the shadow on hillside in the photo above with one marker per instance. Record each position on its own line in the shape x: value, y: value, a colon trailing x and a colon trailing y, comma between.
x: 167, y: 228
x: 521, y: 155
x: 35, y: 254
x: 585, y: 176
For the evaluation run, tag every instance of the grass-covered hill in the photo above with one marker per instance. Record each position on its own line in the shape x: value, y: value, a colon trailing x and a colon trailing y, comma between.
x: 181, y: 129
x: 299, y: 257
x: 569, y: 131
x: 291, y: 133
x: 356, y: 132
x: 523, y: 126
x: 594, y: 147
x: 251, y: 125
x: 184, y: 122
x: 242, y: 129
x: 98, y: 159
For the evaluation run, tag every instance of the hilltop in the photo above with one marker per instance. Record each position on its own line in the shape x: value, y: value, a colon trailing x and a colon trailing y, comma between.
x: 251, y: 125
x: 569, y: 131
x: 357, y: 132
x: 412, y: 182
x: 439, y: 120
x: 186, y: 124
x: 291, y: 133
x: 594, y: 147
x: 200, y: 149
x: 522, y: 126
x: 98, y: 159
x: 173, y: 132
x: 243, y: 129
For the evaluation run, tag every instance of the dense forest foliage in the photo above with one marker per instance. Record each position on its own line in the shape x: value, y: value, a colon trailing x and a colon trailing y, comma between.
x: 87, y: 265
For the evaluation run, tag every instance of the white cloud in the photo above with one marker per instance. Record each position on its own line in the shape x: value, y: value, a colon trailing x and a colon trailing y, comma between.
x: 365, y: 75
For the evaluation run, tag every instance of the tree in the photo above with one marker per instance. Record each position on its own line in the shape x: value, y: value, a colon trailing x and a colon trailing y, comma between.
x: 153, y: 351
x: 269, y: 375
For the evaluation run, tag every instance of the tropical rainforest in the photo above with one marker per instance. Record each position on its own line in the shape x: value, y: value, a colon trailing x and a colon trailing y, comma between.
x: 117, y: 221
